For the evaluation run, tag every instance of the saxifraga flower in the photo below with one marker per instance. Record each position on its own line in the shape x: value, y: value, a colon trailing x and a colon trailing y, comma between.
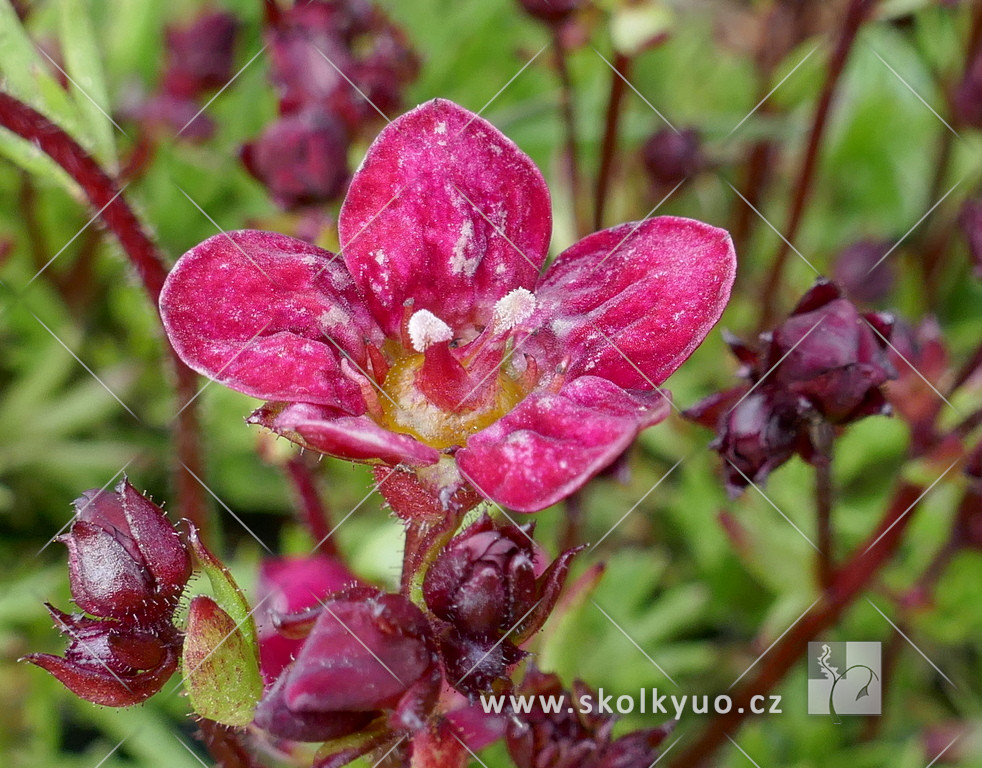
x: 437, y: 340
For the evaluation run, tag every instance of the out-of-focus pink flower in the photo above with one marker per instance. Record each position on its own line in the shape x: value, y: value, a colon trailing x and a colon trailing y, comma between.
x: 127, y: 567
x: 313, y: 42
x: 437, y: 340
x: 290, y: 585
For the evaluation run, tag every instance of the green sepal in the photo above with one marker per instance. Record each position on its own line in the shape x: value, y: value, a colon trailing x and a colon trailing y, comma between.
x: 221, y: 674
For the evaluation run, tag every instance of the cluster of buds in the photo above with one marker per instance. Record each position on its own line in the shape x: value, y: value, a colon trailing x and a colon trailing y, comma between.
x: 127, y: 569
x: 824, y: 367
x: 489, y: 591
x: 573, y: 736
x: 333, y: 63
x: 199, y: 60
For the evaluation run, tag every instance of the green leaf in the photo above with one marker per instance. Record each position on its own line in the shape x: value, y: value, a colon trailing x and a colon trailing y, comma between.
x: 83, y: 63
x: 221, y: 673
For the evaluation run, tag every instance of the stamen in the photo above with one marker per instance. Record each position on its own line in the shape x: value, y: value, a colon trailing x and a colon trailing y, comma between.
x: 426, y: 329
x: 513, y: 308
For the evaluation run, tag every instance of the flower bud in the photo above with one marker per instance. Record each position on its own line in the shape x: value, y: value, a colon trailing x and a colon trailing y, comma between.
x: 970, y: 220
x: 568, y: 737
x: 484, y: 581
x: 863, y: 270
x: 551, y: 11
x: 833, y: 356
x: 109, y: 663
x: 302, y: 158
x: 670, y: 156
x: 200, y: 56
x: 126, y: 561
x: 367, y: 653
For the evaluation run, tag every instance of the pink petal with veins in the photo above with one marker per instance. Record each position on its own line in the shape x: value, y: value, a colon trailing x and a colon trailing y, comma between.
x: 268, y: 315
x: 552, y: 444
x: 445, y: 211
x: 631, y: 303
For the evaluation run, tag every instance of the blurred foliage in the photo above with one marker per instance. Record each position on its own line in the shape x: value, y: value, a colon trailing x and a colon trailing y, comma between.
x: 85, y: 390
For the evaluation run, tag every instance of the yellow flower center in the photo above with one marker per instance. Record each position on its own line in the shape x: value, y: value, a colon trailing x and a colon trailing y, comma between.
x: 408, y: 410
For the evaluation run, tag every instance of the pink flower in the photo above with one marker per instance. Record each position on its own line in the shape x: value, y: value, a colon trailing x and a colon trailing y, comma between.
x: 436, y: 340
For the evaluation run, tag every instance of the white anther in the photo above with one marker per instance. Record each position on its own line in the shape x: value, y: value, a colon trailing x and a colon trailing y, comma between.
x: 513, y: 308
x: 426, y: 329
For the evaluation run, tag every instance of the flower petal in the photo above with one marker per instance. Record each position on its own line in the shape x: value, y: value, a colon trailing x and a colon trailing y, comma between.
x: 631, y: 303
x: 100, y: 686
x: 266, y: 315
x: 357, y: 438
x: 413, y: 224
x: 552, y: 444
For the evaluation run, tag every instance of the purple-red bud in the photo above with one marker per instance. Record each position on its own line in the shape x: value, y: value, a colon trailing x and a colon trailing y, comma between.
x: 302, y: 158
x: 672, y: 156
x: 126, y: 561
x: 367, y: 653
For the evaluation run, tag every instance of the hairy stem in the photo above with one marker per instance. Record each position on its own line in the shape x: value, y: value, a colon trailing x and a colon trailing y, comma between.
x: 105, y: 195
x: 313, y: 513
x: 823, y: 509
x: 849, y: 582
x: 622, y: 66
x: 566, y: 107
x: 855, y: 16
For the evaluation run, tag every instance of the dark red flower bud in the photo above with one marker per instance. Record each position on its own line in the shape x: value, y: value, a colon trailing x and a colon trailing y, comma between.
x: 126, y: 561
x: 484, y: 581
x: 672, y: 156
x: 302, y: 158
x: 312, y: 43
x: 572, y: 737
x: 551, y: 11
x: 762, y: 432
x: 488, y: 585
x: 367, y: 653
x: 970, y: 220
x: 833, y: 356
x: 110, y: 663
x: 825, y: 364
x: 200, y: 56
x: 864, y: 272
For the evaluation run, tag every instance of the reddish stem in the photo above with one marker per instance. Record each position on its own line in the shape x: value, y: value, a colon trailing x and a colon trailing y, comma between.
x: 225, y: 746
x: 570, y: 154
x: 104, y: 195
x: 855, y: 16
x: 622, y: 65
x: 849, y: 582
x: 310, y: 504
